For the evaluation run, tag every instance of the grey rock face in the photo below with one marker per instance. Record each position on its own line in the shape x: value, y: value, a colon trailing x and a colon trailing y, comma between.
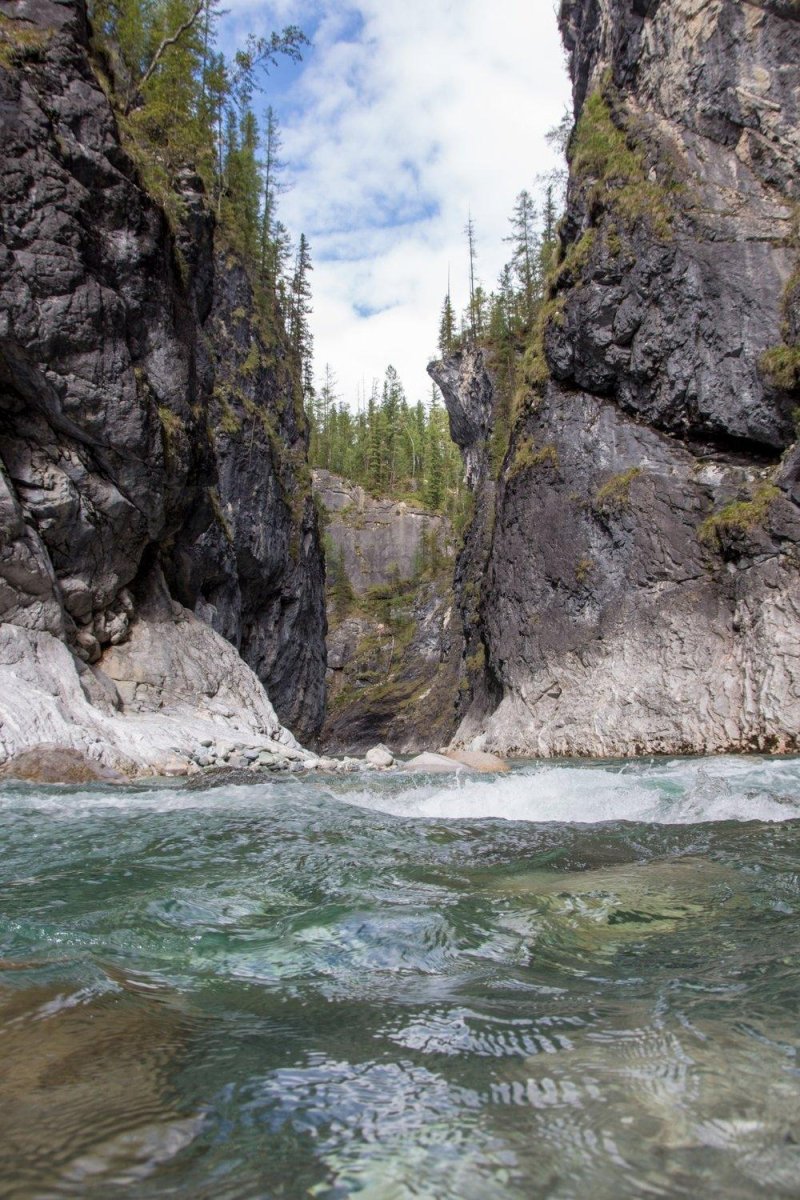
x: 380, y: 540
x: 466, y: 386
x: 142, y: 420
x: 393, y: 676
x: 672, y: 322
x: 634, y: 588
x: 396, y: 685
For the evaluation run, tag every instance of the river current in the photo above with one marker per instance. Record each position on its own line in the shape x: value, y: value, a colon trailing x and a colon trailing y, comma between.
x: 576, y: 980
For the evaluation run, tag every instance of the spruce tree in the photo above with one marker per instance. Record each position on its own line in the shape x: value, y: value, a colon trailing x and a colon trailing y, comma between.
x: 525, y: 252
x: 434, y: 458
x: 447, y: 328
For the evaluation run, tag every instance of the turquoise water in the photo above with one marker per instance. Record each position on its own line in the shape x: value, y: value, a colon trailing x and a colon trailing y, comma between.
x: 395, y: 987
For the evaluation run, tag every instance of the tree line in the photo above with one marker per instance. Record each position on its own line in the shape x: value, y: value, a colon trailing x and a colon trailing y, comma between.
x: 387, y: 445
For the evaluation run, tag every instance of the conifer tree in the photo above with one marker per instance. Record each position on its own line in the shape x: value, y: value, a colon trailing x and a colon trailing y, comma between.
x: 525, y: 252
x: 434, y: 458
x: 300, y: 303
x: 469, y: 230
x: 447, y: 327
x: 271, y: 186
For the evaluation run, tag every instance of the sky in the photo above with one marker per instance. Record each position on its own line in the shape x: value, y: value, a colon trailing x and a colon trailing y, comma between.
x: 404, y: 117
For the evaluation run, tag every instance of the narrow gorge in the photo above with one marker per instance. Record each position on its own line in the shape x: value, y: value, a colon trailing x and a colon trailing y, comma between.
x: 389, y: 813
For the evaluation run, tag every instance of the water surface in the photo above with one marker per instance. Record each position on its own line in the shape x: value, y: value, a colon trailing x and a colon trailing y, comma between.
x: 577, y: 980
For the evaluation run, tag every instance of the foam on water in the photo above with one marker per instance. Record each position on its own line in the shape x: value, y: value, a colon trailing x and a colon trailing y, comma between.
x: 662, y: 792
x: 674, y: 792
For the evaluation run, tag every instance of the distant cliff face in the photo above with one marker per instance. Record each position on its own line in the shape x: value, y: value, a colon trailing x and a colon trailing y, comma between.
x: 635, y: 587
x: 380, y: 541
x: 394, y: 648
x: 149, y: 426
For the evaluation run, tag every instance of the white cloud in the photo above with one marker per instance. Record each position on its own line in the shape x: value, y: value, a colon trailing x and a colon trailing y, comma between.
x: 405, y: 116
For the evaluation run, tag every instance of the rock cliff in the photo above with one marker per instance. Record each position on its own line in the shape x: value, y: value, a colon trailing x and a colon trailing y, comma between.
x: 152, y: 438
x: 630, y: 581
x: 394, y: 641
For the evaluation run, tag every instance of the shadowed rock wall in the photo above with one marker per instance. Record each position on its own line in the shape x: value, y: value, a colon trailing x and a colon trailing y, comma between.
x: 149, y: 417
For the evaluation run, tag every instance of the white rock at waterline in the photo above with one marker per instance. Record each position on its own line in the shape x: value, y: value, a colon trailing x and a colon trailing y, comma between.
x: 436, y: 763
x: 380, y: 756
x: 480, y: 760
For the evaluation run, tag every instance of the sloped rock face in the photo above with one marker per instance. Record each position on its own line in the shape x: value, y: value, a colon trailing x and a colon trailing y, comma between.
x: 639, y: 588
x: 143, y: 424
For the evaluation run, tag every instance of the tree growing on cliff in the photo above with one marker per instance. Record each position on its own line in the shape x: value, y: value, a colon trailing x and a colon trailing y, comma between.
x: 434, y: 457
x: 525, y: 254
x: 447, y: 327
x: 300, y: 306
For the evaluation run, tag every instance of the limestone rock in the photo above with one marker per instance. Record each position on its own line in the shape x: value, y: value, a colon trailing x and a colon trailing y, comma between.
x: 436, y: 764
x: 118, y: 342
x: 178, y: 684
x: 380, y: 756
x: 56, y: 764
x: 380, y: 540
x: 479, y: 760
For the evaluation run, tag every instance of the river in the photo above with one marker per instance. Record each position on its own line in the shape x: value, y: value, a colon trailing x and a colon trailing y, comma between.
x: 577, y: 980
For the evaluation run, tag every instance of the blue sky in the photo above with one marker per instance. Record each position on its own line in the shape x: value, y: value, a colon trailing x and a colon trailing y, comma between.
x: 404, y: 116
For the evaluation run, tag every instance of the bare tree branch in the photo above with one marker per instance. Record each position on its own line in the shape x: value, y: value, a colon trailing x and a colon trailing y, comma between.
x: 165, y: 44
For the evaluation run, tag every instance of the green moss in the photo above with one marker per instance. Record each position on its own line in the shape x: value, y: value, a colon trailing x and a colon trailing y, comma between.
x: 171, y: 429
x: 527, y: 456
x: 740, y: 516
x: 576, y: 259
x: 20, y: 40
x: 535, y: 370
x: 615, y: 169
x: 475, y: 663
x: 781, y: 365
x: 583, y: 569
x: 228, y: 422
x: 253, y: 360
x: 615, y: 493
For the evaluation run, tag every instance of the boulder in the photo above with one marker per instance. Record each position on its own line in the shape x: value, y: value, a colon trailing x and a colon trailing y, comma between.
x: 435, y: 764
x: 479, y: 760
x: 57, y: 764
x: 380, y: 756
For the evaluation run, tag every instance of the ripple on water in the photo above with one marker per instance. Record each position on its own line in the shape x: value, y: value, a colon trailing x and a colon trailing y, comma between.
x: 553, y: 983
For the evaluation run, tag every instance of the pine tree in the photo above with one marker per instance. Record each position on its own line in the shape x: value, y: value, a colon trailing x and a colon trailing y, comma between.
x: 300, y: 304
x: 469, y: 230
x: 525, y: 252
x: 271, y: 186
x: 447, y: 327
x: 434, y: 458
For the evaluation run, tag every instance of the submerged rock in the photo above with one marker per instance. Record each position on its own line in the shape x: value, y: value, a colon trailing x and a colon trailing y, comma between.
x: 57, y: 764
x: 479, y: 760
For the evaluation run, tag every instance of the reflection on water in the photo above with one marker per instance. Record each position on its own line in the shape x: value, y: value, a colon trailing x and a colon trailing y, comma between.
x: 397, y: 987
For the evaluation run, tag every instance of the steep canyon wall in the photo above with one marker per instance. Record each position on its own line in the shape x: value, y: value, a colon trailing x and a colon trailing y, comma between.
x: 630, y: 582
x: 152, y: 439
